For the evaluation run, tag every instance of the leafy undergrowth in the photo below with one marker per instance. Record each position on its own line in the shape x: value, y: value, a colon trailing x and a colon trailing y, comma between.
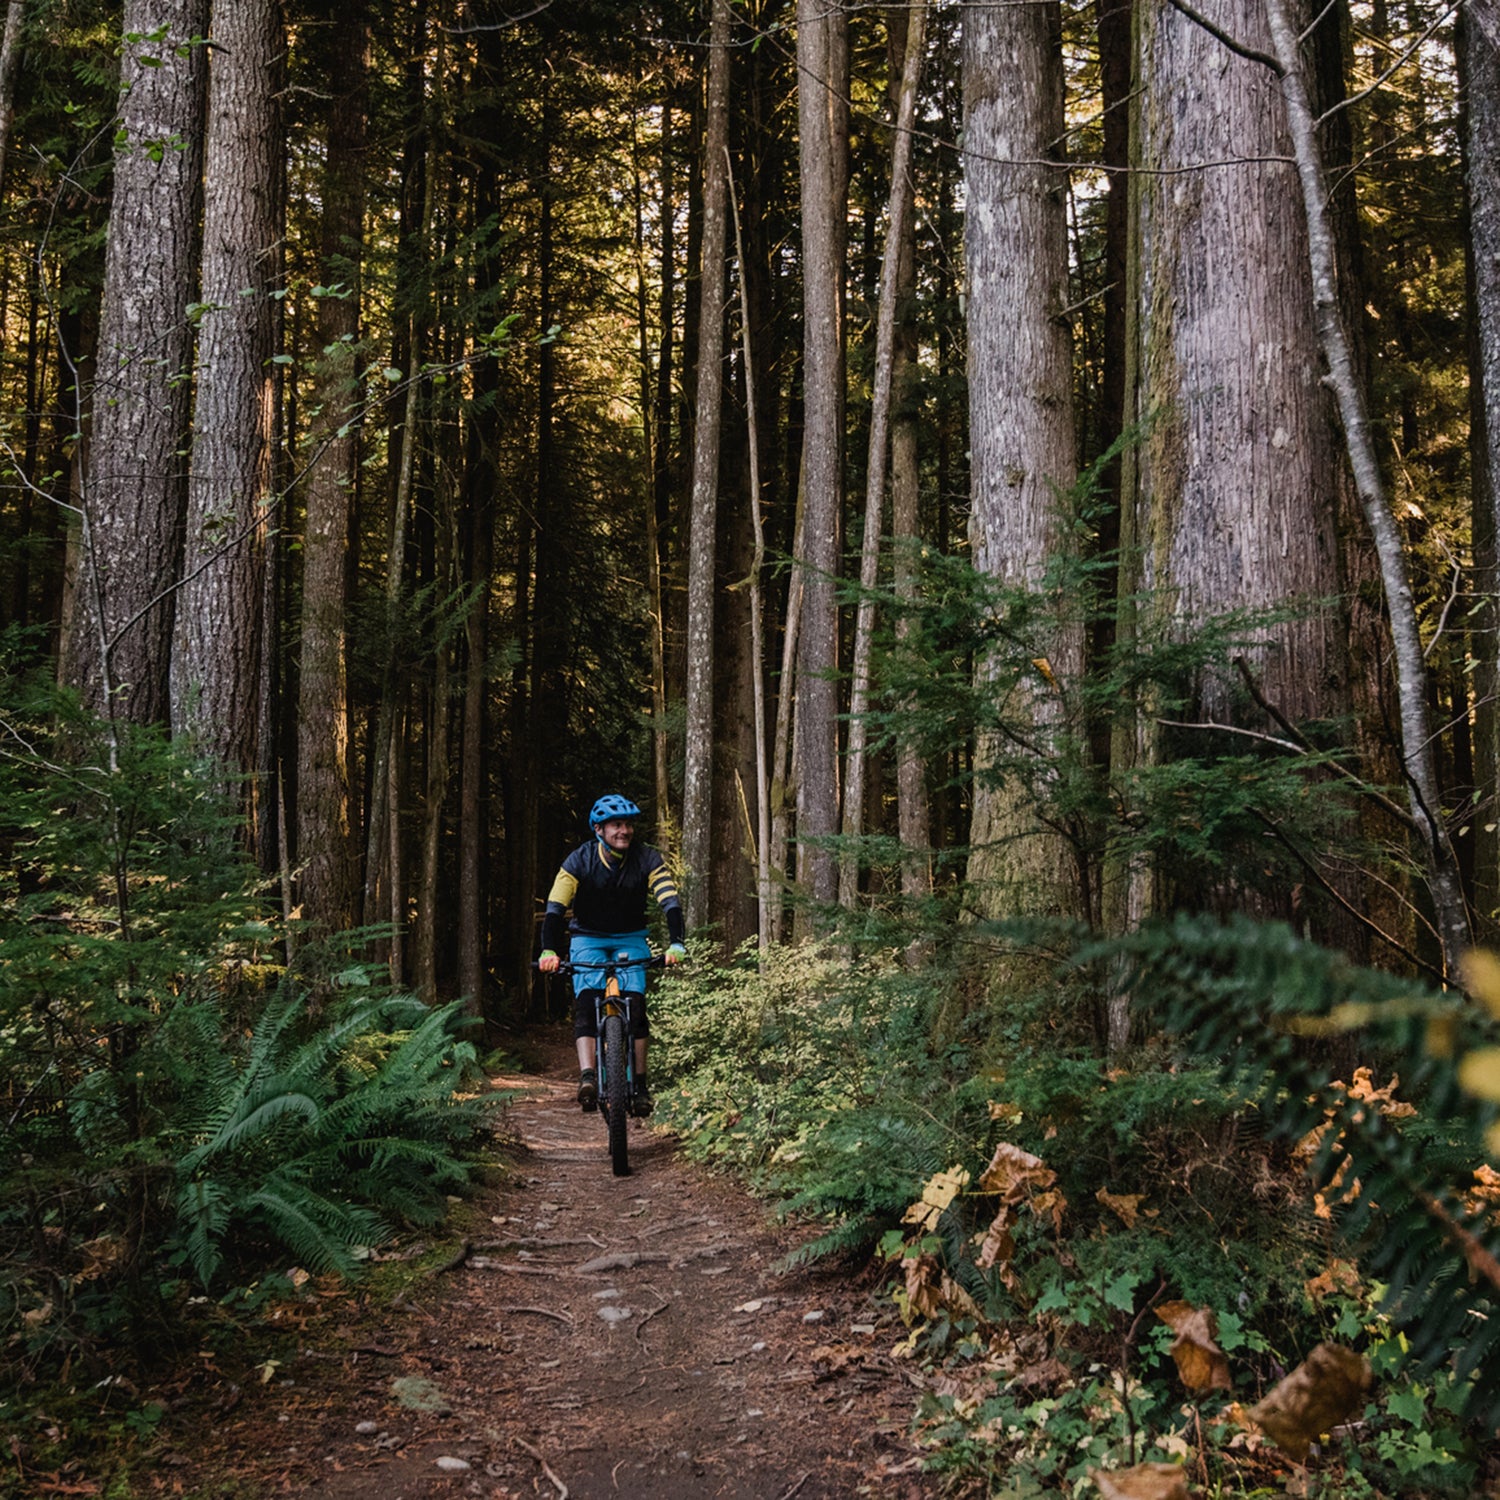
x: 194, y: 1091
x: 1156, y: 1276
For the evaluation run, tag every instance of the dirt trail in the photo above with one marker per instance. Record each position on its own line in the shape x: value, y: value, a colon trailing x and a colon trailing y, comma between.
x: 605, y: 1337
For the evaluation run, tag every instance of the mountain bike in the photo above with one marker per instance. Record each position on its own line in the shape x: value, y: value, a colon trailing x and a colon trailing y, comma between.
x: 615, y: 1049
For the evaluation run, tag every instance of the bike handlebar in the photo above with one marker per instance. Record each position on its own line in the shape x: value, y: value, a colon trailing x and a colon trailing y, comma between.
x: 567, y: 965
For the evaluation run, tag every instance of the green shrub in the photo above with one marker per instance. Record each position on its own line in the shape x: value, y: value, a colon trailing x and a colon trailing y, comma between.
x: 175, y: 1104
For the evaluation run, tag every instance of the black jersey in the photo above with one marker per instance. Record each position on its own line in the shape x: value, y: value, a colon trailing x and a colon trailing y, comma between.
x: 607, y: 893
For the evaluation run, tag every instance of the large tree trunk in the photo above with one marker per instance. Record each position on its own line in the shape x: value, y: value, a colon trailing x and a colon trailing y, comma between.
x: 697, y: 797
x: 216, y: 657
x: 325, y: 849
x: 1229, y: 494
x: 1022, y: 434
x: 1480, y: 39
x: 130, y: 543
x: 816, y: 724
x: 1239, y: 457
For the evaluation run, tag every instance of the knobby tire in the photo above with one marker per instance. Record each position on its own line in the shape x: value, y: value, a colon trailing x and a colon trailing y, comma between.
x: 616, y: 1099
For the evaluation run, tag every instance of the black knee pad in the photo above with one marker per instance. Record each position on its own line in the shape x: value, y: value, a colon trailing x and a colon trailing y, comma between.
x: 585, y: 1022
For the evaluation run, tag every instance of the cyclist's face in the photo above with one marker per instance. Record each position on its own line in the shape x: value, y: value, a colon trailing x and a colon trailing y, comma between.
x: 617, y: 833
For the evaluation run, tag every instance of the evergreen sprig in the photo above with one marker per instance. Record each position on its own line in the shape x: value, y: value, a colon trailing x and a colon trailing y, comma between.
x: 1264, y: 1004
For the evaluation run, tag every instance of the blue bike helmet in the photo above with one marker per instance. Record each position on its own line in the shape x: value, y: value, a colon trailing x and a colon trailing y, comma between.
x: 612, y: 806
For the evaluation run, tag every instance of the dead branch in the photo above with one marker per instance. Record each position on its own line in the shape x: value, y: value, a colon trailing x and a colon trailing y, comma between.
x: 562, y: 1489
x: 620, y: 1260
x: 542, y: 1312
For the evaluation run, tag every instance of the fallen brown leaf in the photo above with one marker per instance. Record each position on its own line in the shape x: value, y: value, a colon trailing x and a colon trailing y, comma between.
x: 1201, y: 1364
x: 1144, y: 1482
x: 1325, y: 1389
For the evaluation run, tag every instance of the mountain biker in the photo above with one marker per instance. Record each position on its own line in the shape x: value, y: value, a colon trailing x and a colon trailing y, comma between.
x: 606, y: 882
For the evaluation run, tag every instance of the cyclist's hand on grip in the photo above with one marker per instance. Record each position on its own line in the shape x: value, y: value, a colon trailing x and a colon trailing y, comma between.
x: 676, y: 954
x: 548, y: 962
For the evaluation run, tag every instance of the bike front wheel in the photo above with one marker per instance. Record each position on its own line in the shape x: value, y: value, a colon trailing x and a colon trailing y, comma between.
x: 616, y: 1092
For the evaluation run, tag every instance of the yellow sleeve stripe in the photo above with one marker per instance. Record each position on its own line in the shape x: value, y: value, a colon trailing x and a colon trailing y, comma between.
x: 661, y: 884
x: 564, y: 888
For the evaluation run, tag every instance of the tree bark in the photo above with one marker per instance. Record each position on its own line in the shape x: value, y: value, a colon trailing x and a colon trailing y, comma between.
x: 1480, y: 48
x: 1417, y: 752
x: 899, y: 219
x: 425, y: 922
x: 1022, y: 441
x: 913, y: 812
x: 1239, y: 452
x: 816, y: 723
x: 762, y: 814
x: 217, y: 645
x: 697, y: 795
x: 10, y: 70
x: 325, y: 838
x: 132, y: 493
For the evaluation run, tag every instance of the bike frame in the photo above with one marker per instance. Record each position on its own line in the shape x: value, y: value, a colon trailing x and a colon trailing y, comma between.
x: 616, y: 1074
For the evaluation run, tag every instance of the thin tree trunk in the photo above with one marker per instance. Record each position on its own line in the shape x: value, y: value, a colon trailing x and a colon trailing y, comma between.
x: 659, y: 738
x: 425, y: 925
x: 216, y: 657
x: 397, y: 757
x: 913, y: 817
x: 697, y: 790
x: 816, y: 727
x: 1417, y: 740
x: 898, y: 219
x: 472, y: 840
x: 382, y: 873
x: 783, y: 791
x: 762, y: 826
x: 1480, y: 47
x: 385, y: 876
x: 325, y: 837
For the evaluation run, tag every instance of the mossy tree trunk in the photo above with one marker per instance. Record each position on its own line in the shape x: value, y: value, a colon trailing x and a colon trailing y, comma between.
x: 1022, y: 444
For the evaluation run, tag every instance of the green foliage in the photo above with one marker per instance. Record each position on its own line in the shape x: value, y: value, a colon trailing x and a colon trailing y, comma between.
x: 321, y: 1142
x: 177, y: 1105
x: 1261, y: 1001
x: 810, y: 1075
x: 1223, y: 815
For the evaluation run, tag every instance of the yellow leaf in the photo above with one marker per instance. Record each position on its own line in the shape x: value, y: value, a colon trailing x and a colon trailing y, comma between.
x: 1125, y: 1206
x: 1481, y: 975
x: 1201, y: 1364
x: 1045, y: 668
x: 937, y: 1194
x: 1325, y: 1389
x: 1144, y: 1482
x: 1479, y: 1073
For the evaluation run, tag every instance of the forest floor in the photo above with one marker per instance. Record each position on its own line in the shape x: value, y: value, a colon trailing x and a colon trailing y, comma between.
x: 592, y: 1337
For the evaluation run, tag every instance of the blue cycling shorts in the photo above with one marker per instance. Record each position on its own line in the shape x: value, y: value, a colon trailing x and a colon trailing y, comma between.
x: 586, y: 948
